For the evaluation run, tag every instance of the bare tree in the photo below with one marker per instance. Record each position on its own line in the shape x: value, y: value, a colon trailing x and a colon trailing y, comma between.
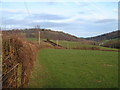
x: 37, y: 27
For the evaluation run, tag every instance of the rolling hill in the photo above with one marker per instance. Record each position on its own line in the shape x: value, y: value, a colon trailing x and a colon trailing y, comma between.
x: 110, y: 40
x: 48, y: 34
x: 107, y: 36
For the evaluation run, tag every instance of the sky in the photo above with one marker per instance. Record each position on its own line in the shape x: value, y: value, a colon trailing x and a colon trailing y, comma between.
x: 82, y: 19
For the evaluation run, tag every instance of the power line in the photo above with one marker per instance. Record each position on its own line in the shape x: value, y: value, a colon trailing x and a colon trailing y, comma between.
x: 26, y: 6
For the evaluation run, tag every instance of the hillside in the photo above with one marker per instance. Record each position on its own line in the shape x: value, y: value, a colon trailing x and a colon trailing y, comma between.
x: 49, y: 34
x: 110, y: 40
x: 107, y: 36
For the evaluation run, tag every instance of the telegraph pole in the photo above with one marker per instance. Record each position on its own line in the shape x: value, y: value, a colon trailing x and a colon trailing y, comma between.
x: 1, y: 54
x: 57, y: 42
x: 37, y: 27
x: 39, y: 37
x: 1, y: 58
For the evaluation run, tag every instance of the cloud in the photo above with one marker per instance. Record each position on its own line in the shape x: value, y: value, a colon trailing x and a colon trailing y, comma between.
x: 44, y: 20
x: 106, y: 21
x: 12, y: 14
x: 13, y: 22
x: 12, y: 11
x: 47, y: 24
x: 85, y: 12
x: 54, y: 18
x: 10, y: 23
x: 63, y: 16
x: 46, y: 17
x: 68, y: 27
x: 52, y: 3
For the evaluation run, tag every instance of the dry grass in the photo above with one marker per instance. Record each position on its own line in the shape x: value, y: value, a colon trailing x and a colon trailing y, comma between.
x: 16, y: 49
x: 19, y: 51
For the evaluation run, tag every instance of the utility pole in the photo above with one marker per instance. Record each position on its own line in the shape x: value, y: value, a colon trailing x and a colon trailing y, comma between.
x: 1, y: 54
x: 39, y: 37
x: 1, y: 58
x: 37, y: 27
x: 57, y: 42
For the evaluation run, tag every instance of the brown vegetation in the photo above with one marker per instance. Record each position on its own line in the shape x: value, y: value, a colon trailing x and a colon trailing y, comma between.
x: 49, y: 34
x: 19, y: 56
x: 18, y: 60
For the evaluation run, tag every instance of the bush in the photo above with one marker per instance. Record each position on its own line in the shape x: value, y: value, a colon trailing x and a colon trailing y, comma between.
x: 19, y: 51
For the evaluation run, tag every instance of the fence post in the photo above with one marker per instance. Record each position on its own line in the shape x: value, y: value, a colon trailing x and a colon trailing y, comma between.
x: 57, y: 42
x: 39, y: 37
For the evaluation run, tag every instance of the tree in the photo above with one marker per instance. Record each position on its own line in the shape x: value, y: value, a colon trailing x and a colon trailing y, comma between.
x: 37, y: 27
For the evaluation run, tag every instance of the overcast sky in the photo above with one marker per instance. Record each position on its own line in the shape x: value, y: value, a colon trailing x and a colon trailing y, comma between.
x: 83, y: 19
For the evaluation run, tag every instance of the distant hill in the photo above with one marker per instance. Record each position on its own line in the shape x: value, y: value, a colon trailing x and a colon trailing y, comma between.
x: 107, y: 36
x: 49, y: 34
x: 110, y: 40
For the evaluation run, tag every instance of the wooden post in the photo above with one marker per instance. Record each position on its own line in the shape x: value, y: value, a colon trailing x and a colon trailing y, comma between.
x: 57, y: 42
x: 39, y: 37
x: 17, y: 76
x: 0, y: 59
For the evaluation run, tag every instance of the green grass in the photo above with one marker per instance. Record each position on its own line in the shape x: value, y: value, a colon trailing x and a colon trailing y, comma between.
x: 70, y: 44
x: 74, y: 45
x: 75, y: 69
x: 32, y: 39
x: 116, y: 39
x: 80, y: 45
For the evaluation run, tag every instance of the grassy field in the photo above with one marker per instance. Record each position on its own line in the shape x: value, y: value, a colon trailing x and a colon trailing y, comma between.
x: 74, y: 45
x: 71, y: 44
x: 80, y: 45
x: 116, y: 39
x: 32, y: 39
x: 75, y: 69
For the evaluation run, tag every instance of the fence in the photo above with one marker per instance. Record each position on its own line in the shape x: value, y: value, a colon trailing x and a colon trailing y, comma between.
x: 18, y: 61
x: 10, y: 66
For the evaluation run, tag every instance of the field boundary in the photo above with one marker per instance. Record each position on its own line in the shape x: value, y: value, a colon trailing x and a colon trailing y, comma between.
x: 54, y: 44
x: 18, y: 61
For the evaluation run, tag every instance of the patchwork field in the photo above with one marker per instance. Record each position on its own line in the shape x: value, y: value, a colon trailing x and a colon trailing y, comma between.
x: 57, y: 68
